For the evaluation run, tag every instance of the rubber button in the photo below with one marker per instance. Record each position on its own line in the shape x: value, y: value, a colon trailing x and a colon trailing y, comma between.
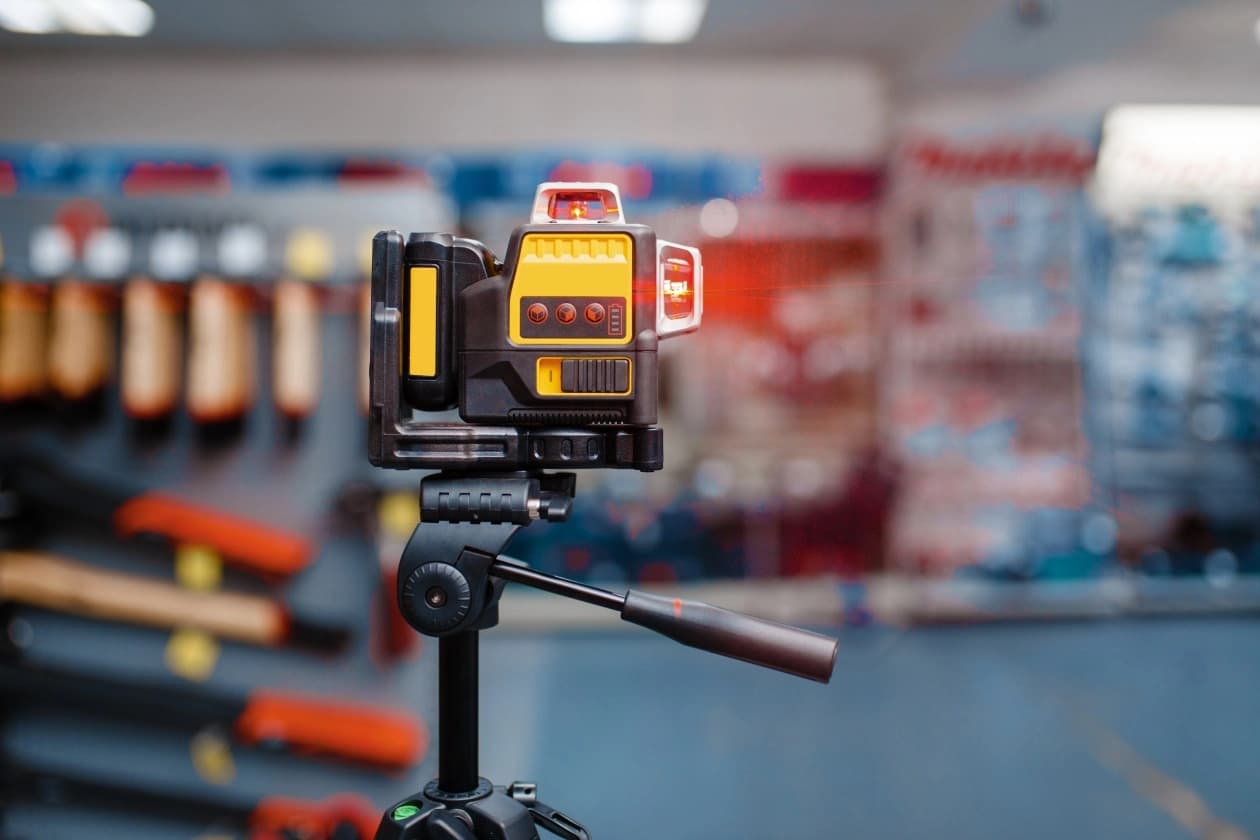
x: 566, y: 313
x: 594, y: 312
x: 536, y: 313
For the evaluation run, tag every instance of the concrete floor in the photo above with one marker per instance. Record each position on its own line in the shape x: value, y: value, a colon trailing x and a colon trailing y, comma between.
x: 1141, y: 729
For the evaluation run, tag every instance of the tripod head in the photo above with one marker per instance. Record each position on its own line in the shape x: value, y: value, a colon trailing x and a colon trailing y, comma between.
x: 442, y: 597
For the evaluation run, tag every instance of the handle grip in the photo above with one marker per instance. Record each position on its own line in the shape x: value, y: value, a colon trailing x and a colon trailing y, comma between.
x: 64, y: 585
x: 754, y: 640
x: 250, y: 545
x: 330, y: 727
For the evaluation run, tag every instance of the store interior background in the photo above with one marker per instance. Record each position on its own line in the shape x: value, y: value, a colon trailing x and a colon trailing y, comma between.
x: 978, y: 389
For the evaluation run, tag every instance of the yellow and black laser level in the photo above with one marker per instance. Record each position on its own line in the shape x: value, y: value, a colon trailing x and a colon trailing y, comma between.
x: 549, y: 356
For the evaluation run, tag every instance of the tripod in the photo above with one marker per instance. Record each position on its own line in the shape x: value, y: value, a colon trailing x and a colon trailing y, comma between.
x: 450, y: 578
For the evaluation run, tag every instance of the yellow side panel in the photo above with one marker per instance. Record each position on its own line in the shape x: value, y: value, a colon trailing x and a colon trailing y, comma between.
x: 422, y: 321
x: 573, y: 264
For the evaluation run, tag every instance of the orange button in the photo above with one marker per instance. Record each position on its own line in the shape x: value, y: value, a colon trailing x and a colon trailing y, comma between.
x: 566, y: 313
x: 536, y: 313
x: 594, y: 312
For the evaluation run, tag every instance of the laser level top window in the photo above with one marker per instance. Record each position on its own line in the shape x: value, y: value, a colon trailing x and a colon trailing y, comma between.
x: 578, y: 207
x: 577, y: 202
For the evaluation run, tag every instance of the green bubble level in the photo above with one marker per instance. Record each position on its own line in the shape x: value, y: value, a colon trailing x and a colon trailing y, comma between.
x: 405, y: 812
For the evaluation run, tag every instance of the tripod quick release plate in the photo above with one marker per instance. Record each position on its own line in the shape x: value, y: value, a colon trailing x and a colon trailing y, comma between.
x: 518, y: 499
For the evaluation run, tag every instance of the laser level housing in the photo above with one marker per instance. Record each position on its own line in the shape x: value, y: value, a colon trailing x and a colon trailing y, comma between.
x: 550, y: 356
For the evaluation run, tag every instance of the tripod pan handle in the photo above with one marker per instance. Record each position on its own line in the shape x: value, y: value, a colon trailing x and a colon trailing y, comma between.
x: 766, y: 643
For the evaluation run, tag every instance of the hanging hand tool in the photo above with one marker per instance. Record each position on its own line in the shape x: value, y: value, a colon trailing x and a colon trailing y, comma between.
x: 341, y: 817
x: 307, y: 725
x: 39, y: 486
x: 57, y: 583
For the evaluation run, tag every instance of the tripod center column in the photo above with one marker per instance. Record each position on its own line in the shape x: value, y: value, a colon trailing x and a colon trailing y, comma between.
x: 457, y: 712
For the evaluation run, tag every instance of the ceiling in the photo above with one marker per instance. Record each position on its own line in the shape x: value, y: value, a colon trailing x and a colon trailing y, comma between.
x: 1219, y: 35
x: 869, y: 27
x: 923, y: 43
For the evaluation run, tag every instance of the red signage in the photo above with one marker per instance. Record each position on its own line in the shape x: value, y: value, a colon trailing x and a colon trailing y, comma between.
x: 152, y: 178
x: 1025, y: 157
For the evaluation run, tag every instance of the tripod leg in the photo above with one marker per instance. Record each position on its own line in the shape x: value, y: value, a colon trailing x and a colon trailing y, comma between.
x: 549, y: 818
x: 557, y: 823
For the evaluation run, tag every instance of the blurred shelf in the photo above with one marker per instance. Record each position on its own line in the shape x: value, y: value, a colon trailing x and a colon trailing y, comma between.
x: 1052, y: 479
x: 1126, y: 595
x: 986, y: 344
x: 903, y: 601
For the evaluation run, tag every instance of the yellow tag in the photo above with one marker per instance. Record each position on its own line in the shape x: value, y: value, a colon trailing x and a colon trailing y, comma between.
x: 399, y: 513
x: 309, y: 254
x: 192, y: 654
x: 198, y: 567
x: 212, y: 758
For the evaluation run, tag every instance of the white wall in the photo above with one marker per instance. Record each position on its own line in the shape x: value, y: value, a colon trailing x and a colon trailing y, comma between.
x: 1075, y: 99
x: 817, y: 109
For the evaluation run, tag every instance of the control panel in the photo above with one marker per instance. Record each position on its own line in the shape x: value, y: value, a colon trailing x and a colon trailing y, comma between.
x: 573, y: 317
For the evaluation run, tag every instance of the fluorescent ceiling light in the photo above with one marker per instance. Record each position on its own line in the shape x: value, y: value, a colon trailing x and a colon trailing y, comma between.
x: 607, y: 21
x: 130, y: 18
x: 589, y: 21
x: 1207, y: 154
x: 670, y: 21
x: 33, y: 17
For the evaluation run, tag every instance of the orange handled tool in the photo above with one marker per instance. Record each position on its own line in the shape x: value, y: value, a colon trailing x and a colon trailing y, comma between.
x: 325, y: 727
x: 45, y: 485
x: 269, y: 818
x: 279, y: 818
x: 250, y: 545
x: 331, y: 727
x: 57, y: 583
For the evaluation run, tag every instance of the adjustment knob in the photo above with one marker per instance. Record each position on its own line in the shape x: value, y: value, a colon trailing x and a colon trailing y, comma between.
x: 435, y: 598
